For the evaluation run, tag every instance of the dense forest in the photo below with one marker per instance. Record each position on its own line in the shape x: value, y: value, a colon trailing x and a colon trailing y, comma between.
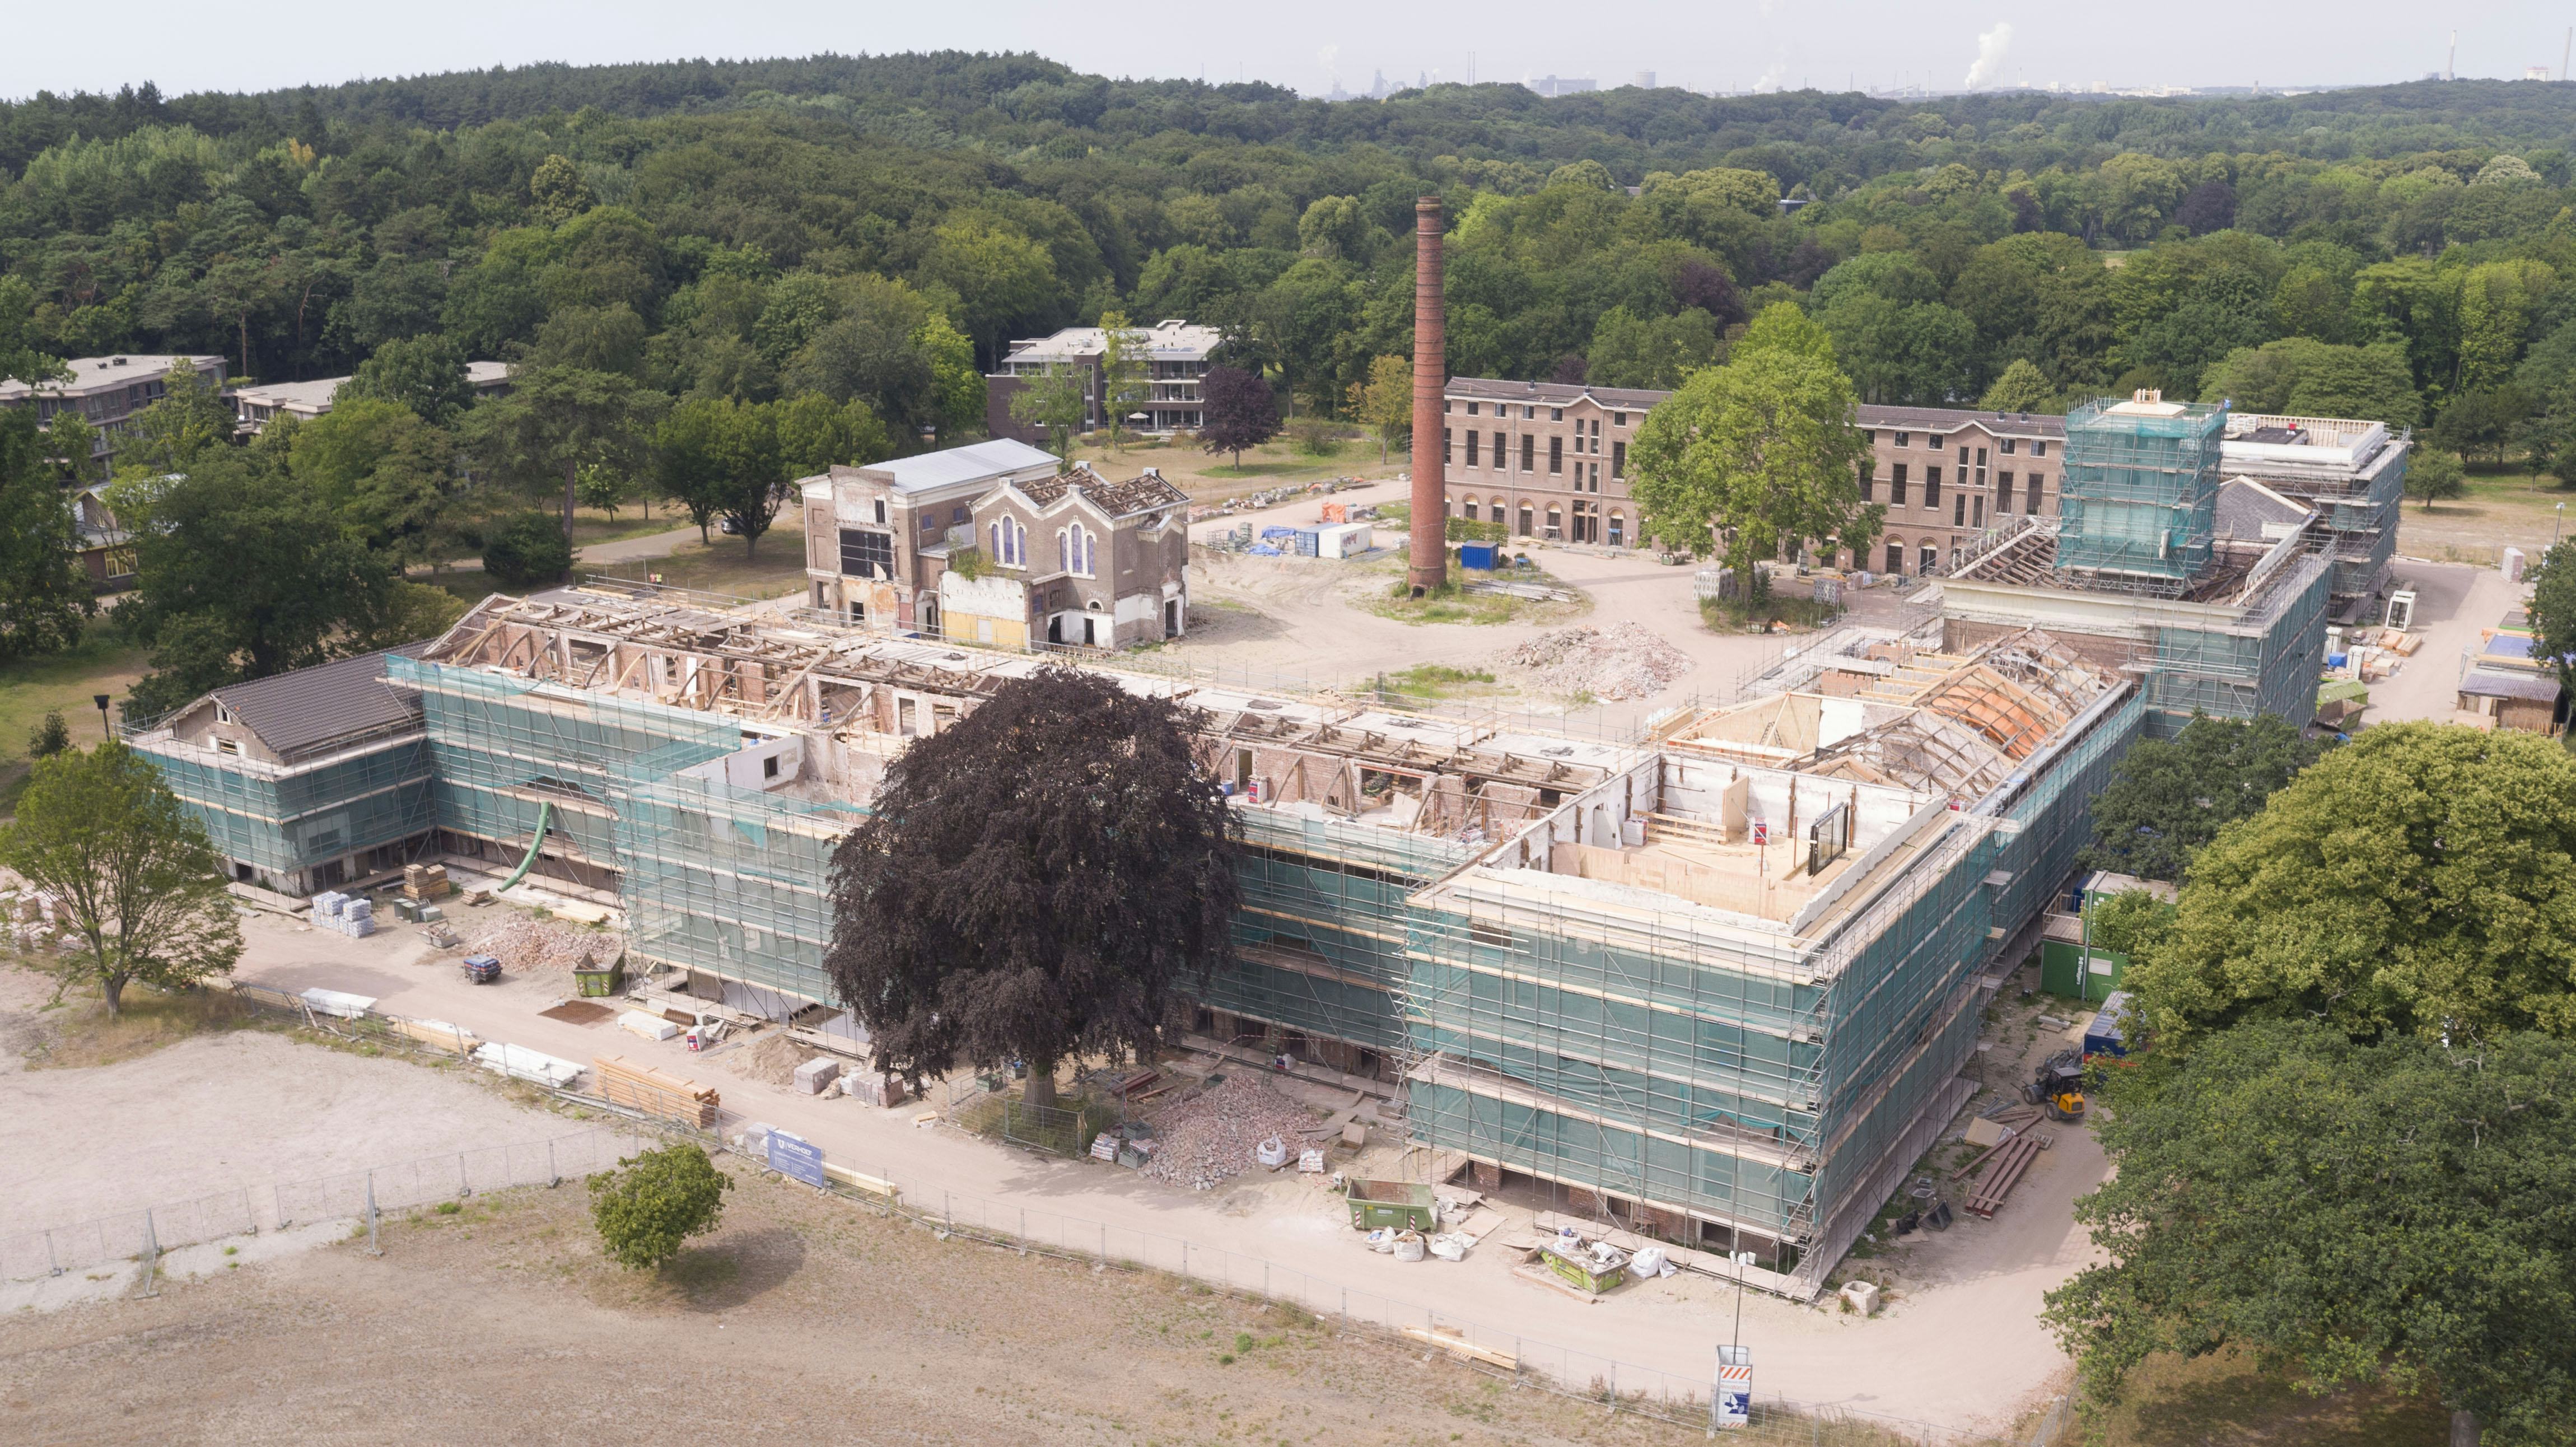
x: 707, y: 269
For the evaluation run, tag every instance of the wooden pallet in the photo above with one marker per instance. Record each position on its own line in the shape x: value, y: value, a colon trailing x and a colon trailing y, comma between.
x: 2004, y: 1167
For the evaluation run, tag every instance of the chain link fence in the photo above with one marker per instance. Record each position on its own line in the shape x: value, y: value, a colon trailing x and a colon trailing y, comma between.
x: 1679, y: 1397
x: 250, y: 1211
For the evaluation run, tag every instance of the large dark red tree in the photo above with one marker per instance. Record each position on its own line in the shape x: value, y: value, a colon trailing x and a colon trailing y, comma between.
x: 1237, y: 411
x: 1036, y: 882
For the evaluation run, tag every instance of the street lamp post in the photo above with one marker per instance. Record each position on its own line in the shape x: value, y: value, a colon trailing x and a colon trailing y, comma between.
x: 104, y: 730
x: 2557, y: 520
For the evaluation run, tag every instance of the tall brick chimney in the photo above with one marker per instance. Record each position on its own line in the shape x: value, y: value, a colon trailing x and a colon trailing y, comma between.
x: 1430, y: 555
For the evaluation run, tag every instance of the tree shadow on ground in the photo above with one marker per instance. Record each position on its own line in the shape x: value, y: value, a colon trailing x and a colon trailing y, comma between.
x: 736, y: 1268
x: 2227, y: 1401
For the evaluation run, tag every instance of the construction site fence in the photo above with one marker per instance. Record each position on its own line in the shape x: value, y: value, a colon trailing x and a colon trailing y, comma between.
x: 1662, y: 1393
x: 84, y: 1246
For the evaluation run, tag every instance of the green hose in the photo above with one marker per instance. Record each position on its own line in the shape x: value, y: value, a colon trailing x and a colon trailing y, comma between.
x: 545, y: 816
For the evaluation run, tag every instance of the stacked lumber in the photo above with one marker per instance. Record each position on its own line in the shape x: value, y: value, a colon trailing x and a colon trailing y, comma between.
x: 654, y: 1092
x: 2003, y: 1167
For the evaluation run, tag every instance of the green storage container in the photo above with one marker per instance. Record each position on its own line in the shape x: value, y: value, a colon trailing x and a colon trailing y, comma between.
x: 2064, y: 972
x: 1400, y: 1204
x: 606, y: 980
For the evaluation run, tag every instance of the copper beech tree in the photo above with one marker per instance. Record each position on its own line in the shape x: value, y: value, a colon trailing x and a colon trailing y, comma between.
x: 1036, y: 882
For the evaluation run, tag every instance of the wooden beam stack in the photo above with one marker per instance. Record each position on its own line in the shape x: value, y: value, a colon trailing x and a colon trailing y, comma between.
x: 2004, y: 1165
x: 654, y: 1092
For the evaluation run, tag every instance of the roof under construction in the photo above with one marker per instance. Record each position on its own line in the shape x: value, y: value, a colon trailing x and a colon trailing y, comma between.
x: 1902, y: 714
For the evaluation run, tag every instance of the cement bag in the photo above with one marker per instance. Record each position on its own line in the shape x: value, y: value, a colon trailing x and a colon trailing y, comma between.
x: 1381, y: 1240
x: 1649, y: 1262
x: 1408, y: 1246
x: 1272, y: 1152
x: 1448, y: 1248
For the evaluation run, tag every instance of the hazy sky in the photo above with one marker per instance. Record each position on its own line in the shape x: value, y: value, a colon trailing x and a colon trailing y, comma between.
x: 1307, y: 44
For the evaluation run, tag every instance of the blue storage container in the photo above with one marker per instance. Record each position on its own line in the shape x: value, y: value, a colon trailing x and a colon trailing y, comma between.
x: 1476, y: 555
x: 1310, y: 542
x: 2103, y: 1036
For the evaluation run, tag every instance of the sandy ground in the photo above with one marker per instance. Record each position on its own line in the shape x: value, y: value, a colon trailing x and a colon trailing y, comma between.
x: 248, y: 1109
x: 800, y: 1319
x: 1291, y: 620
x: 1959, y: 1346
x: 2453, y: 602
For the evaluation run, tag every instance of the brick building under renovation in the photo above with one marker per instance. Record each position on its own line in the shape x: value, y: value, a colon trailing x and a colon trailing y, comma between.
x: 1718, y: 978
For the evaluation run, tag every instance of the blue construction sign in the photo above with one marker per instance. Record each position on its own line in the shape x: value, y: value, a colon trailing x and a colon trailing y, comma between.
x: 796, y: 1158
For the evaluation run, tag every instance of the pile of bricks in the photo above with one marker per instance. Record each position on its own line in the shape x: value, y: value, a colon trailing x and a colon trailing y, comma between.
x: 1209, y: 1138
x: 353, y: 915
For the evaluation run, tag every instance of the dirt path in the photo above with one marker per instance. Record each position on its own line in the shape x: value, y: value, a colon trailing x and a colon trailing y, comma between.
x: 801, y: 1319
x: 1960, y: 1347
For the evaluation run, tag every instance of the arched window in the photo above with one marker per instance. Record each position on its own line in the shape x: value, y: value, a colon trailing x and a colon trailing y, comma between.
x: 1555, y: 521
x: 997, y: 543
x: 1929, y: 559
x: 1083, y: 539
x: 1470, y: 513
x: 1618, y: 529
x: 1526, y: 515
x: 1063, y: 550
x: 1896, y: 555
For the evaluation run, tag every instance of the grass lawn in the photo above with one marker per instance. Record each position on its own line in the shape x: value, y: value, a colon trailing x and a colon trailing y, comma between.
x: 2500, y: 510
x: 774, y: 570
x: 2227, y: 1401
x: 1212, y: 477
x: 30, y: 688
x: 1453, y: 603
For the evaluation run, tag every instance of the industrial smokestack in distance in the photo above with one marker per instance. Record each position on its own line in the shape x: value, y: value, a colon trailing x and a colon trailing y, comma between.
x: 1430, y: 546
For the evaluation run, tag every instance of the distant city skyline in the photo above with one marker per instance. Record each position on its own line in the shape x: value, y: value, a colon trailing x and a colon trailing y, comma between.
x: 1870, y: 45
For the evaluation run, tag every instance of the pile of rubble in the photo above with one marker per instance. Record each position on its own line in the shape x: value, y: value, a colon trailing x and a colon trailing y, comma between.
x: 1623, y: 660
x: 1209, y: 1138
x: 529, y: 944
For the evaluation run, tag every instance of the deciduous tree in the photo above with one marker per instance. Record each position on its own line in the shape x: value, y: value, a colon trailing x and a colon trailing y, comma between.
x: 1762, y: 449
x: 555, y: 420
x: 1236, y: 410
x: 649, y: 1207
x: 2433, y: 475
x: 2390, y: 1213
x: 1125, y: 354
x: 45, y: 596
x: 1053, y: 402
x: 1384, y: 403
x: 425, y: 373
x: 2420, y: 880
x: 129, y: 869
x: 2023, y: 387
x: 2169, y: 798
x: 2553, y: 610
x: 1035, y: 882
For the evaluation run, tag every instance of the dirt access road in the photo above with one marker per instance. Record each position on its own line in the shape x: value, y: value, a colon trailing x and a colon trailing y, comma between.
x: 800, y: 1319
x: 1960, y: 1347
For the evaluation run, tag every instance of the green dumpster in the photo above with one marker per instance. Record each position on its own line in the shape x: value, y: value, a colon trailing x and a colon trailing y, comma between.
x: 1400, y: 1204
x: 604, y: 980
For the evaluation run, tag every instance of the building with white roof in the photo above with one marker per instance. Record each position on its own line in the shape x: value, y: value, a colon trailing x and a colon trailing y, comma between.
x: 1174, y: 354
x: 107, y: 392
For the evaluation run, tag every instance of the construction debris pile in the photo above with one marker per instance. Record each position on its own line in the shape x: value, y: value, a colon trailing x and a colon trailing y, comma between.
x: 1621, y: 661
x: 1209, y: 1138
x: 528, y: 944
